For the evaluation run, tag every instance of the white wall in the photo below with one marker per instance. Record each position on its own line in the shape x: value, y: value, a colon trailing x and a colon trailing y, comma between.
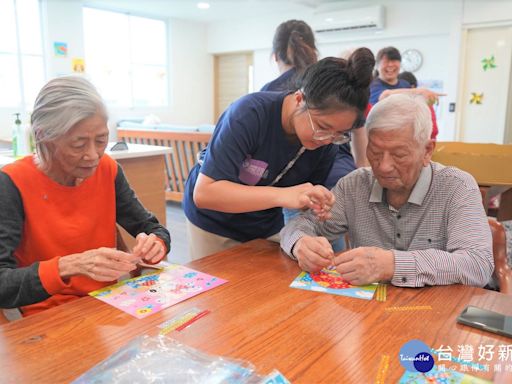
x: 433, y: 27
x: 190, y: 65
x: 487, y: 11
x: 62, y: 21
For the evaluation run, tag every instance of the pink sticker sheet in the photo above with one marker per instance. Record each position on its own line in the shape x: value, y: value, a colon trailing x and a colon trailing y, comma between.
x: 151, y: 293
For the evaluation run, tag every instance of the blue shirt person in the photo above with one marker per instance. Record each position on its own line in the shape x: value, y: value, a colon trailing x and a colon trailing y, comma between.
x: 267, y: 152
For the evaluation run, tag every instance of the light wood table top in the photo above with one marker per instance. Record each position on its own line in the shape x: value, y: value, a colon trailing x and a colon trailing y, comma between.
x: 310, y: 337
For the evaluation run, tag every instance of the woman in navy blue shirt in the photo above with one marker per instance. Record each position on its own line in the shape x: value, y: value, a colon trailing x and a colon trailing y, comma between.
x: 269, y: 150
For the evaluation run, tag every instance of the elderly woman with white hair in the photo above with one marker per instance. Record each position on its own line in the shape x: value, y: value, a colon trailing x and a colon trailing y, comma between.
x: 59, y: 207
x: 411, y: 221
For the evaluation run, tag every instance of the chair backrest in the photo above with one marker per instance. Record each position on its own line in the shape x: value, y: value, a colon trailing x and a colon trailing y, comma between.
x: 185, y: 146
x: 499, y: 250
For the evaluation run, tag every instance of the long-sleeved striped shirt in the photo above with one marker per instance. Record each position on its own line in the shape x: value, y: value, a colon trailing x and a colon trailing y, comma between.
x: 440, y: 236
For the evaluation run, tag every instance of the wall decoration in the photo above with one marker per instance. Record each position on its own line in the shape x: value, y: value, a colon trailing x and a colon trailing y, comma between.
x: 60, y: 49
x: 488, y: 63
x: 476, y: 98
x: 78, y: 65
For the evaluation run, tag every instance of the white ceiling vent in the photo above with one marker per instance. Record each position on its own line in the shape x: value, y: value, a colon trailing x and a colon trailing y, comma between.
x: 357, y: 19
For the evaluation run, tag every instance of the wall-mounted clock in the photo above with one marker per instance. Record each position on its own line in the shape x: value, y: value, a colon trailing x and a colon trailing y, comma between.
x: 411, y: 60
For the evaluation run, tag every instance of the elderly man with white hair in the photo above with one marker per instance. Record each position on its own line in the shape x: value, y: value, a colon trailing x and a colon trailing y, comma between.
x: 411, y: 221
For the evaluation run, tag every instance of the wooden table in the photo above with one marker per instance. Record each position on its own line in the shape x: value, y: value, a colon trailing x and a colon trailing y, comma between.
x: 310, y: 337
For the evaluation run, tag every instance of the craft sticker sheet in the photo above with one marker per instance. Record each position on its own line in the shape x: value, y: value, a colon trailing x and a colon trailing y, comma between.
x: 330, y: 281
x: 436, y: 376
x: 148, y: 294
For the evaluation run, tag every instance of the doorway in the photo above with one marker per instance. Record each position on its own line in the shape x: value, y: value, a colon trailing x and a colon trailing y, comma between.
x: 485, y: 76
x: 233, y: 78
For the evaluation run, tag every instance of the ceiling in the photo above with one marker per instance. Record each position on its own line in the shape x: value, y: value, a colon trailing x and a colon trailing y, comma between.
x: 219, y: 9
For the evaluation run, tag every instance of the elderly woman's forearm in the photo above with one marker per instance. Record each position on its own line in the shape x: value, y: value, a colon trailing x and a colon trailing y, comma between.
x: 21, y: 286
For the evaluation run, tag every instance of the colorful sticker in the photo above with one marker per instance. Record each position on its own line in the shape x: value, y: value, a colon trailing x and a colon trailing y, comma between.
x: 437, y: 376
x: 330, y: 281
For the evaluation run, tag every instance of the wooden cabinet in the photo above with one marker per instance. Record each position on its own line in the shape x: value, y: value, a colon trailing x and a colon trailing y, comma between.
x: 144, y: 167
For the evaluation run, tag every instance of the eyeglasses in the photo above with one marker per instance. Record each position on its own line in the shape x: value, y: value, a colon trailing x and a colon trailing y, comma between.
x: 321, y: 134
x: 119, y: 146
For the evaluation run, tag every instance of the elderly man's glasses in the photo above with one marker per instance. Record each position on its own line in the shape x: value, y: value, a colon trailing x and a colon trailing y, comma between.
x: 321, y: 134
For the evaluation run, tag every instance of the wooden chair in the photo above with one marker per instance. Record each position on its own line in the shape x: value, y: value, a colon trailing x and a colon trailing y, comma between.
x: 499, y: 250
x: 185, y: 146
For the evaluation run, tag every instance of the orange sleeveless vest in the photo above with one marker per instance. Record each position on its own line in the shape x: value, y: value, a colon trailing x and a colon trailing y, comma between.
x: 62, y: 220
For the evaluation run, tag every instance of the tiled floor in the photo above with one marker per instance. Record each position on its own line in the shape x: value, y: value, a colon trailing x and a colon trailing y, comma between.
x: 177, y: 227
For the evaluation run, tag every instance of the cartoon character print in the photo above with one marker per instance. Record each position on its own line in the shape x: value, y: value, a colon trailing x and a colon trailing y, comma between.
x: 143, y: 281
x: 127, y: 303
x: 144, y: 310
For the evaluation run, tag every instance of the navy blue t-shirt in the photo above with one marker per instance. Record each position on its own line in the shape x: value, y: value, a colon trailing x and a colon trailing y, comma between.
x: 285, y: 82
x: 378, y: 86
x: 250, y: 147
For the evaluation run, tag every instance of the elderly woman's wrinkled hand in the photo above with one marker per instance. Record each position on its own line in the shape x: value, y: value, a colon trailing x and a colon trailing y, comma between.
x: 102, y: 264
x: 149, y: 248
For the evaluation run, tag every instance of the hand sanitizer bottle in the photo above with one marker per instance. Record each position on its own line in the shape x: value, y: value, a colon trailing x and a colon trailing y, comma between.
x: 16, y: 131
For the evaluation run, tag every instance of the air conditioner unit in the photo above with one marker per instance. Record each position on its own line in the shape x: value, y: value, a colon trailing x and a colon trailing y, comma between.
x: 356, y: 19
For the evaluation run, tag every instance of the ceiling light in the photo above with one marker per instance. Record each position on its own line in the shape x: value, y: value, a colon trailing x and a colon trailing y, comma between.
x: 203, y: 5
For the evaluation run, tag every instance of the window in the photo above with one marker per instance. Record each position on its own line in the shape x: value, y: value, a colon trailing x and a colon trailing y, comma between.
x: 126, y: 57
x: 21, y: 53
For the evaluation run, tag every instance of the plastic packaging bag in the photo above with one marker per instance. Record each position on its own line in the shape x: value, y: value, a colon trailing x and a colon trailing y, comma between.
x: 160, y: 359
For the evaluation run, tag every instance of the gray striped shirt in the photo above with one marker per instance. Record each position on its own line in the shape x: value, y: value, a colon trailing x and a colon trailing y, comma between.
x: 440, y: 236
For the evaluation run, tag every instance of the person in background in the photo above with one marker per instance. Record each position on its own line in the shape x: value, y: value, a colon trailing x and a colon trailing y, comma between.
x: 411, y: 221
x: 59, y: 207
x: 390, y: 81
x: 411, y: 79
x: 293, y: 49
x: 388, y: 67
x: 267, y: 152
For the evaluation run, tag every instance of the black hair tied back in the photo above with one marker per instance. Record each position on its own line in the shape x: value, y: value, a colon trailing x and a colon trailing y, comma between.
x: 334, y: 83
x: 360, y: 65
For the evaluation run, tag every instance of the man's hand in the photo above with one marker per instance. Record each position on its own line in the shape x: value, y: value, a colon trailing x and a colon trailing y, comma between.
x: 365, y: 265
x: 313, y: 253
